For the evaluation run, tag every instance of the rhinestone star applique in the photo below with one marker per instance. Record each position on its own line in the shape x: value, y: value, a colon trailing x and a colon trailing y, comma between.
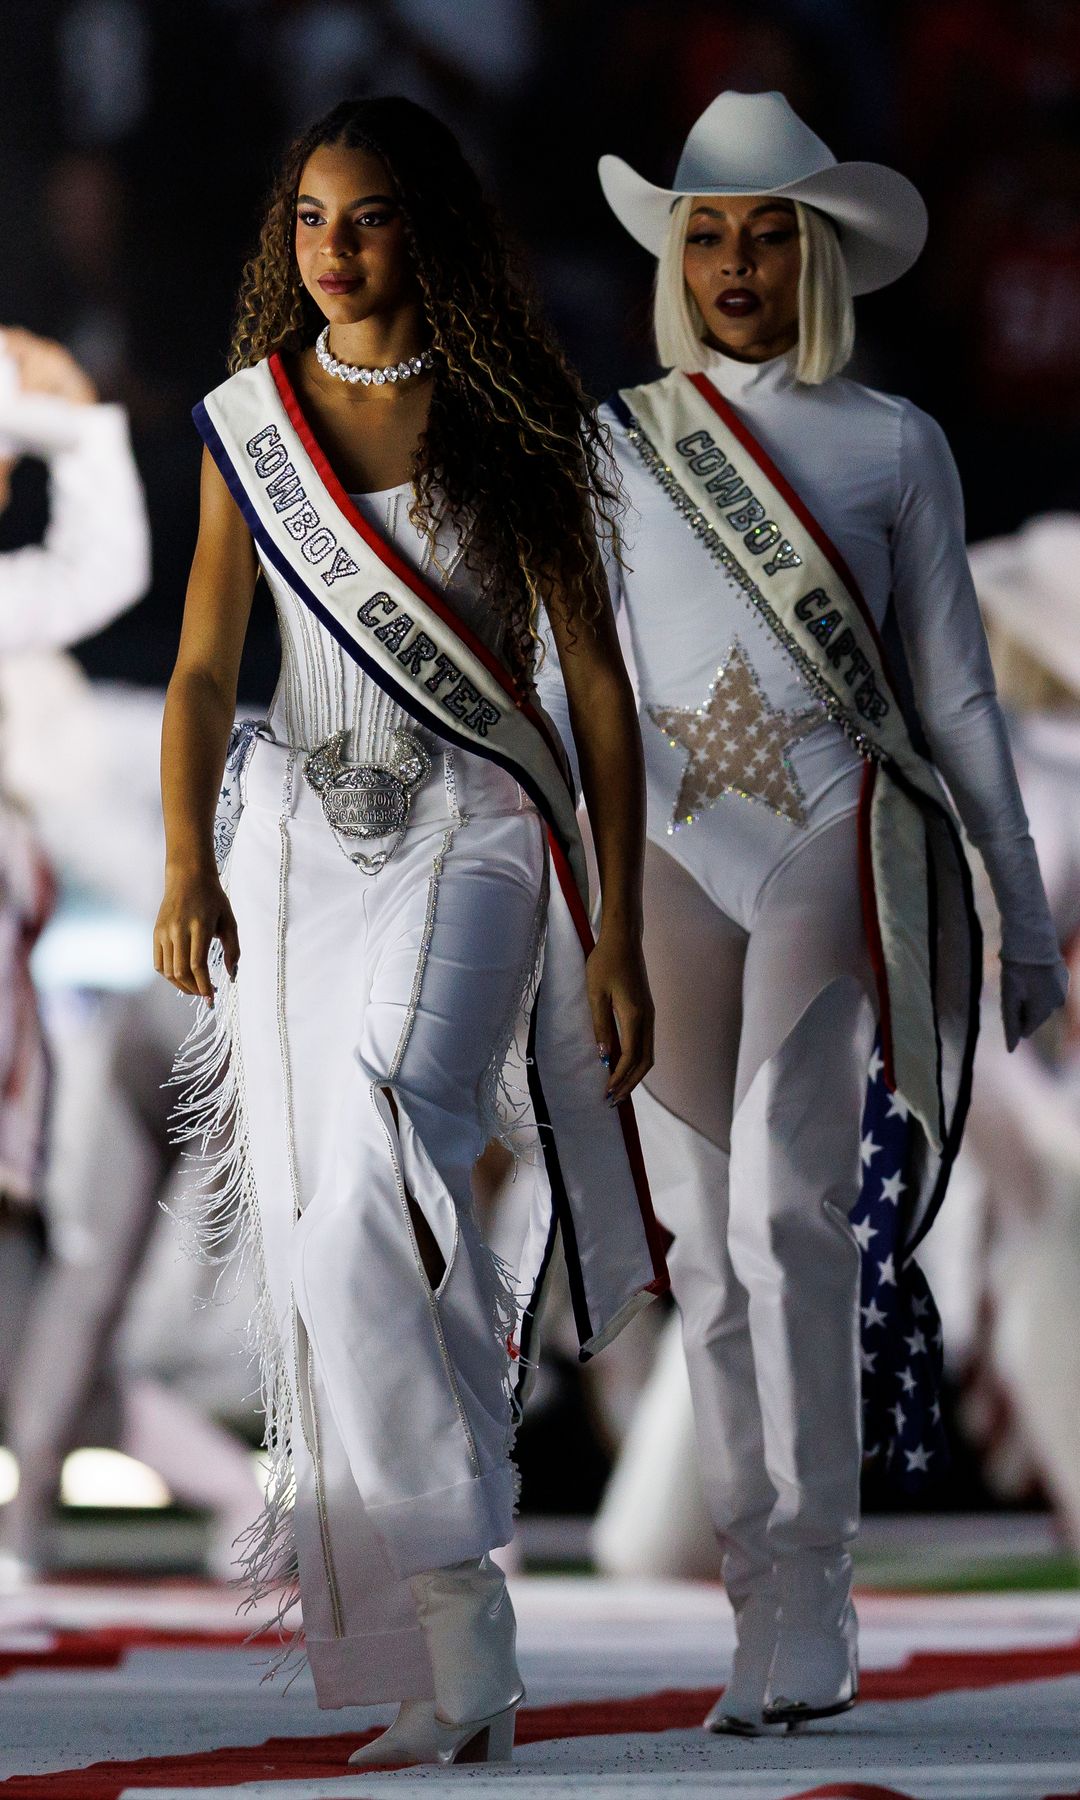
x: 737, y: 744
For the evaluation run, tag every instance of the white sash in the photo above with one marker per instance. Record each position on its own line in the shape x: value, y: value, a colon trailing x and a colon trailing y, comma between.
x: 408, y: 640
x: 758, y: 529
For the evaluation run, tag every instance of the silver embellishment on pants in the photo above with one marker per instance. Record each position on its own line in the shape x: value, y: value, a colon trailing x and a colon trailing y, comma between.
x: 368, y: 800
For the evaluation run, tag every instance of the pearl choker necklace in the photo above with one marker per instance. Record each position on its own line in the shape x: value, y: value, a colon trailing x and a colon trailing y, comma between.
x: 413, y: 365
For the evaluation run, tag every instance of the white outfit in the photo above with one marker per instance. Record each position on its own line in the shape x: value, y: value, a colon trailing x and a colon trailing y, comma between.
x: 94, y: 558
x: 361, y: 1046
x: 878, y: 475
x: 1024, y: 1138
x: 93, y: 562
x: 755, y: 945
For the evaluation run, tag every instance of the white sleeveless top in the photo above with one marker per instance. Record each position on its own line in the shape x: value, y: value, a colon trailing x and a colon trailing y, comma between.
x: 320, y: 689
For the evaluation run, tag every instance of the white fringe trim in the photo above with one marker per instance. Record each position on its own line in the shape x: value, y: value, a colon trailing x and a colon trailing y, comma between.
x: 220, y: 1224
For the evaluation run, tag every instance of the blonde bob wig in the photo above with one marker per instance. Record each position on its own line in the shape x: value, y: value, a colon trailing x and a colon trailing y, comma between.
x: 826, y: 315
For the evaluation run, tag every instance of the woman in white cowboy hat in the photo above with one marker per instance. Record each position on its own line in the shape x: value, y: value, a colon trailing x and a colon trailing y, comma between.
x: 809, y: 657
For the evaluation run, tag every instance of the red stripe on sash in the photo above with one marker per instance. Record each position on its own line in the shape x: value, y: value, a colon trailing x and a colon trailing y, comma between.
x: 395, y: 562
x: 731, y: 419
x: 871, y: 922
x: 656, y: 1237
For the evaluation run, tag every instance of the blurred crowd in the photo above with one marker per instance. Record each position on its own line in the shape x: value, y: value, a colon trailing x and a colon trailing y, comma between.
x: 136, y: 141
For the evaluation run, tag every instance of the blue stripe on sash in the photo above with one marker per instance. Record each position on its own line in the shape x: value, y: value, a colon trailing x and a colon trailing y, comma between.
x: 560, y: 1215
x: 403, y: 696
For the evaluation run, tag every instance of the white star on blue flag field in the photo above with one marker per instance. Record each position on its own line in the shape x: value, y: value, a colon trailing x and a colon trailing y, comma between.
x: 901, y: 1346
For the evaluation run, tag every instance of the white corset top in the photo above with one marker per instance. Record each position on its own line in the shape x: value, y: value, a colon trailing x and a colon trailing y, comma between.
x: 320, y: 688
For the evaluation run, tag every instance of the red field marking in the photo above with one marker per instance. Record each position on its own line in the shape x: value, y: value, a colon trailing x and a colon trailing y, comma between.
x: 314, y: 1759
x: 106, y: 1648
x: 851, y: 1790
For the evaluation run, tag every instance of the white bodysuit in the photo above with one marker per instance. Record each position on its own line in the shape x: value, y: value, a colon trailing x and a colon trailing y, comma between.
x: 878, y: 475
x: 92, y: 563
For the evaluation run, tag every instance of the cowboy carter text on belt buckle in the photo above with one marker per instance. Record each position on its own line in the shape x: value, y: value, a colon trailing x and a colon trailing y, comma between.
x: 368, y: 800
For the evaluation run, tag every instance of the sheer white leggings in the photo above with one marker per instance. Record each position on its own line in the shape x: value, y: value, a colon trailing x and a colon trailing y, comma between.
x: 751, y: 1127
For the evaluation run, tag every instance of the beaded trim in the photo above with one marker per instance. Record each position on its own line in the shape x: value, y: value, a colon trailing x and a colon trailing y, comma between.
x: 710, y: 539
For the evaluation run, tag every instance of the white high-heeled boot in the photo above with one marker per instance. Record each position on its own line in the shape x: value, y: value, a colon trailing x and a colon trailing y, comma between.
x: 740, y: 1710
x: 815, y: 1672
x: 409, y: 1740
x: 469, y: 1626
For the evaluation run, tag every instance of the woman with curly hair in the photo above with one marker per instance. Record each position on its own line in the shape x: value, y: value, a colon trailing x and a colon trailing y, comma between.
x: 404, y: 455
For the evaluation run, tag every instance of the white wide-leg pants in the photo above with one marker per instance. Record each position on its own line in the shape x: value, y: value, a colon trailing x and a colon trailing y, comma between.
x: 370, y: 1019
x: 751, y: 1131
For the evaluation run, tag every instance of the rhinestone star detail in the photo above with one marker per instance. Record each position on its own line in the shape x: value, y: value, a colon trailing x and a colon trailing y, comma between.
x: 736, y: 743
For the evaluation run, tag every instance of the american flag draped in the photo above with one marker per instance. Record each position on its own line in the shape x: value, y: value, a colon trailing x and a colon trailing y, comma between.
x: 901, y: 1332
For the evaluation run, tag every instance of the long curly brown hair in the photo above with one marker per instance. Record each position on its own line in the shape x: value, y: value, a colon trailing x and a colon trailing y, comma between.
x: 513, y: 453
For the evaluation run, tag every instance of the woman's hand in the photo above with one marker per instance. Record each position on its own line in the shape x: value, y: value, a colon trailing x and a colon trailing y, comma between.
x: 47, y: 368
x: 195, y: 910
x: 1030, y: 992
x: 622, y: 1010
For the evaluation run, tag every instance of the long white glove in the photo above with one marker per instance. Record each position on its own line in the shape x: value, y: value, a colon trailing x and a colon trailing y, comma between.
x: 1030, y: 992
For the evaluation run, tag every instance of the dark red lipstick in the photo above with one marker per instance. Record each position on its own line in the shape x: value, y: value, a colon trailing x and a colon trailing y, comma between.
x: 738, y: 303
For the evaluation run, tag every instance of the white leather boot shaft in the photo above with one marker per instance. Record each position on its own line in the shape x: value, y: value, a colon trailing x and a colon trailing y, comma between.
x: 756, y: 1610
x: 743, y: 1699
x: 816, y: 1663
x: 471, y: 1634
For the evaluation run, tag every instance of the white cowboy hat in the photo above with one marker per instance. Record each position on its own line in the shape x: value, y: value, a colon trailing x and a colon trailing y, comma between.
x: 756, y: 144
x: 1029, y: 585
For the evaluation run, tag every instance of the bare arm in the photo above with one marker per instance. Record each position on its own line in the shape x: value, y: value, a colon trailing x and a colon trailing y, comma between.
x: 199, y: 709
x: 604, y: 722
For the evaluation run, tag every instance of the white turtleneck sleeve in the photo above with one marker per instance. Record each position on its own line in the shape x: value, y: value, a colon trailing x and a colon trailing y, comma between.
x: 938, y: 618
x: 94, y: 558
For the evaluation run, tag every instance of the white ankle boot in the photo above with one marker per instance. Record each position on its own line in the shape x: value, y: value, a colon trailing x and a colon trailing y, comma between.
x: 739, y: 1712
x: 410, y: 1739
x: 815, y: 1672
x: 469, y: 1626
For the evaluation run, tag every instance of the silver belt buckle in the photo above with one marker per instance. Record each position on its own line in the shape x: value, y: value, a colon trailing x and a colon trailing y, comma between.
x: 368, y: 800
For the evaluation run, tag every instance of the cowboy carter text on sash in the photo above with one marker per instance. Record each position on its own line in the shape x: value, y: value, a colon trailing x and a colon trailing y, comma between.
x: 380, y: 615
x: 746, y: 514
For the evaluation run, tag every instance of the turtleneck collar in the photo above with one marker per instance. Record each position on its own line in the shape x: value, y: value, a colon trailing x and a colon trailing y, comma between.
x: 749, y: 381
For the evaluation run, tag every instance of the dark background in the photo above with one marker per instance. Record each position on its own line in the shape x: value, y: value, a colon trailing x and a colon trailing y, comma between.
x: 137, y: 138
